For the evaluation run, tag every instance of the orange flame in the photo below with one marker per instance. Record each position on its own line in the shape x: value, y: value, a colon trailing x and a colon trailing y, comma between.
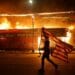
x: 5, y: 24
x: 21, y: 26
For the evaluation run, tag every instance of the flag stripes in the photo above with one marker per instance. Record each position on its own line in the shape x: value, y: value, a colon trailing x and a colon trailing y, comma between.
x: 60, y: 57
x: 60, y: 53
x: 58, y: 48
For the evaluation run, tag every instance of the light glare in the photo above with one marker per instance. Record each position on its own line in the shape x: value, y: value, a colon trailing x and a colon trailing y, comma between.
x: 30, y: 1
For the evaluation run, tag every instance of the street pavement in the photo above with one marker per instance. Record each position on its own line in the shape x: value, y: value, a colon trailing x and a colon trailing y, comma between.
x: 21, y: 63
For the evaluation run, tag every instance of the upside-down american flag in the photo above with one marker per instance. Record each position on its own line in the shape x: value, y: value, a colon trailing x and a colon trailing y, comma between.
x: 62, y: 49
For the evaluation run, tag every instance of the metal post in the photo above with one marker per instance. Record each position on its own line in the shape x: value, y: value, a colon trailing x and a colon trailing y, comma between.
x: 33, y: 33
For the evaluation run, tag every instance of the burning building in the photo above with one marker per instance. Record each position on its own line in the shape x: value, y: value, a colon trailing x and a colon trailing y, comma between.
x: 23, y: 32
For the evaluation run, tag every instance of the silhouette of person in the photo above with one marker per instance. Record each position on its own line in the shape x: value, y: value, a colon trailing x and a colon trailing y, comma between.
x: 47, y: 51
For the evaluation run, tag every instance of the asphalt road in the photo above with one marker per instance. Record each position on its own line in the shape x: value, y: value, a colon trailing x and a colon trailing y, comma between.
x: 13, y: 63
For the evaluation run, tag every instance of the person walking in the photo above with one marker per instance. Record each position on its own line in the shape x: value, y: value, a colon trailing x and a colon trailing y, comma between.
x: 47, y: 51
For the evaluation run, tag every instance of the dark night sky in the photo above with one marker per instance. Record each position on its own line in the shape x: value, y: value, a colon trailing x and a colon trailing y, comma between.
x: 22, y: 6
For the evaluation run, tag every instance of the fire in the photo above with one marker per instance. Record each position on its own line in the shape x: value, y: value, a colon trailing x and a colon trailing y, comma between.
x: 39, y: 41
x: 71, y: 27
x: 21, y: 26
x: 67, y: 38
x: 5, y: 24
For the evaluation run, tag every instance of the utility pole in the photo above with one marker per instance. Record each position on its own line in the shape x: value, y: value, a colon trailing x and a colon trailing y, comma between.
x: 33, y: 33
x: 32, y: 16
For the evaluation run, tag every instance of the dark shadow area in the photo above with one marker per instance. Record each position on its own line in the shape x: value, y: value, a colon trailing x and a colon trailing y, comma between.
x: 41, y: 72
x: 57, y: 72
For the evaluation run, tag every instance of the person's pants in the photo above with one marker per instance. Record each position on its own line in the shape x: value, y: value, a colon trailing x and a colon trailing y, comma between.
x: 46, y: 56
